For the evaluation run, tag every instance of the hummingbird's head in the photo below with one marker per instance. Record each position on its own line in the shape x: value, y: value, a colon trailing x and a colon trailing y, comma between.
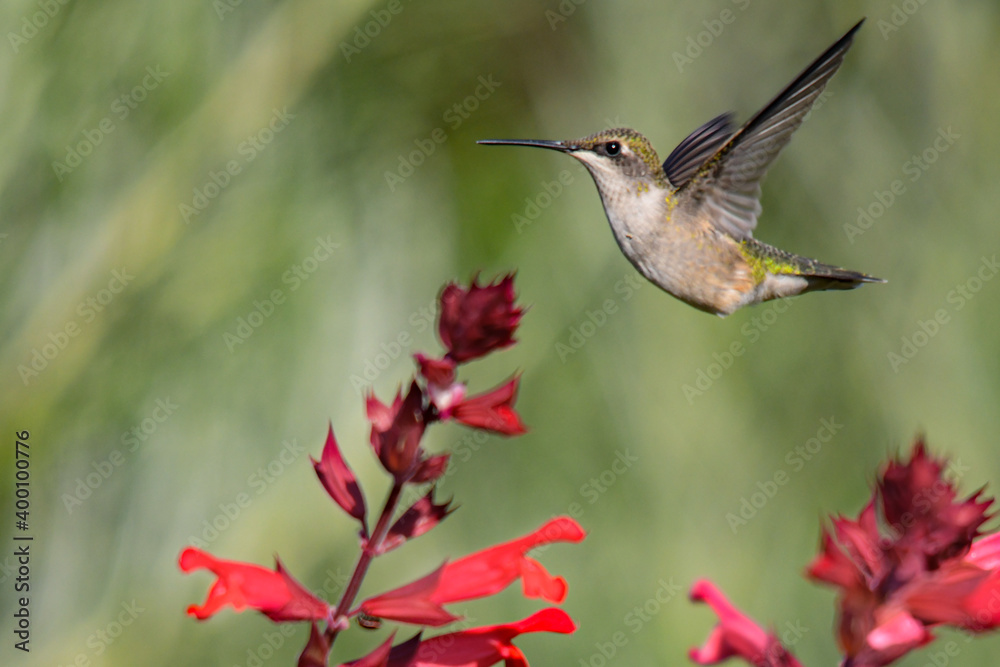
x: 615, y: 158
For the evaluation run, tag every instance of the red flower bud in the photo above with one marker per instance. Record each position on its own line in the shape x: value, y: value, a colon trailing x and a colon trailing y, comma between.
x: 478, y: 320
x: 396, y: 432
x: 339, y: 481
x: 417, y: 520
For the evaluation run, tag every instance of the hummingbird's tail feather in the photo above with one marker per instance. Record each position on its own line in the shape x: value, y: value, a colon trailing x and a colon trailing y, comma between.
x: 834, y: 277
x: 766, y: 260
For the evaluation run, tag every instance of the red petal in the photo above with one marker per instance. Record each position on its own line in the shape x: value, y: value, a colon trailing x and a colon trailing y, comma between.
x: 377, y: 658
x: 492, y: 411
x: 485, y: 646
x: 339, y: 481
x: 381, y: 415
x: 240, y: 585
x: 985, y: 552
x: 440, y: 372
x: 411, y: 603
x: 491, y: 570
x: 897, y: 634
x: 983, y: 605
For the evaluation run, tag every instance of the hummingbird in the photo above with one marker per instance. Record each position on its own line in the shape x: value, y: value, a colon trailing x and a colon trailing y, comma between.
x: 687, y: 224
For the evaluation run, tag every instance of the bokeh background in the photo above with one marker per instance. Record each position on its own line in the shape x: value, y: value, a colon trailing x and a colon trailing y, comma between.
x: 165, y: 168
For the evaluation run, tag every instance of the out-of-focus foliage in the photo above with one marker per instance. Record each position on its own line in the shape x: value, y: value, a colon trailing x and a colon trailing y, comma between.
x: 203, y: 255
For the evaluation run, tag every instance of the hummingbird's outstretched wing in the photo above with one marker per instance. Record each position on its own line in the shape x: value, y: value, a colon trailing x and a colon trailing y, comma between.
x: 728, y: 183
x: 689, y: 156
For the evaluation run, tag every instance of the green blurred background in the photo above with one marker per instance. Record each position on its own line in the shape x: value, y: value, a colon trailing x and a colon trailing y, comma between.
x: 222, y: 148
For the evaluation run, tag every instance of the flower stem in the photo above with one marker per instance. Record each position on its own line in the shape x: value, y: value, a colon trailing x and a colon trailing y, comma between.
x: 369, y: 552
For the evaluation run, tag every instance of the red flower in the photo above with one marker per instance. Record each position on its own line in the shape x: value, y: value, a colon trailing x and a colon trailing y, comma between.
x: 921, y: 566
x: 493, y: 411
x: 478, y: 320
x: 339, y: 481
x: 275, y: 594
x: 736, y: 635
x: 477, y: 575
x: 476, y: 647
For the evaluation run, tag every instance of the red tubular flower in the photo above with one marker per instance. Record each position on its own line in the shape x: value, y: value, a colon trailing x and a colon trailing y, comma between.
x: 922, y: 566
x: 273, y: 593
x: 339, y: 481
x: 493, y: 411
x: 491, y: 570
x: 477, y: 575
x: 475, y: 647
x: 478, y: 320
x: 736, y: 635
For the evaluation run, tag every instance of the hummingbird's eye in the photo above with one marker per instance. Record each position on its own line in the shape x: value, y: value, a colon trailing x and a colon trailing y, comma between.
x: 613, y: 148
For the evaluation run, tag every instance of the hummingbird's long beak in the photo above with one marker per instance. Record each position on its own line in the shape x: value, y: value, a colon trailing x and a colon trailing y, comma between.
x: 561, y: 146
